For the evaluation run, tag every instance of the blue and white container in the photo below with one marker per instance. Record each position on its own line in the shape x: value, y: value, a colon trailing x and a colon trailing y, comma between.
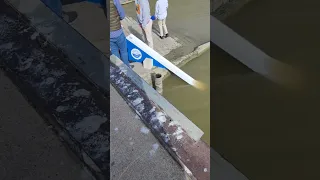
x: 138, y: 51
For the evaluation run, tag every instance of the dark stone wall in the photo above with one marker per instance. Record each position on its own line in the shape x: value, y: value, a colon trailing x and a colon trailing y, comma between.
x: 56, y: 89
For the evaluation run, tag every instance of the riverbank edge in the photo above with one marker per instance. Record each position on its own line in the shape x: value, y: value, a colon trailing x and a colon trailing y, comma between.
x: 183, y: 60
x: 192, y: 156
x: 85, y: 148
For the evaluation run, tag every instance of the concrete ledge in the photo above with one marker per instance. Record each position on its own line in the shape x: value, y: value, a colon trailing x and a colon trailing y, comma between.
x: 184, y: 59
x: 166, y: 46
x: 62, y: 95
x: 194, y: 54
x: 177, y: 117
x: 80, y: 52
x: 193, y: 156
x: 192, y: 130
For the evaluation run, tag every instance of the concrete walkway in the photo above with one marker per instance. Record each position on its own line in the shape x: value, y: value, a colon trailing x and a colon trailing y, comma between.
x: 162, y: 46
x: 184, y: 44
x: 188, y: 28
x: 29, y: 149
x: 180, y: 43
x: 135, y: 152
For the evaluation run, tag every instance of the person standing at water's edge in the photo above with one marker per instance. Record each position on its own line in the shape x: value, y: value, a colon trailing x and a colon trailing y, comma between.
x: 161, y: 14
x: 144, y: 19
x: 118, y: 41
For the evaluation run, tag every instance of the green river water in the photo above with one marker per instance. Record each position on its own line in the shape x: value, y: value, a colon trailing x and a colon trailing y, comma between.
x: 191, y: 102
x: 266, y: 131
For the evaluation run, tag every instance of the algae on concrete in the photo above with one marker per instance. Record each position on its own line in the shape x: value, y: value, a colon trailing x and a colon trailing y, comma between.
x: 28, y: 146
x: 135, y: 153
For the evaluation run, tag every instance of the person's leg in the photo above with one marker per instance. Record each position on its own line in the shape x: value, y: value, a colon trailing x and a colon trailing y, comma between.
x: 150, y: 41
x: 122, y: 44
x: 165, y: 27
x: 148, y: 31
x: 160, y: 28
x: 114, y: 47
x: 54, y: 5
x: 144, y: 35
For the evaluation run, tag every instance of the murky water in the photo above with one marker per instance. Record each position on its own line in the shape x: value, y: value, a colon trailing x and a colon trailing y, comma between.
x: 183, y: 21
x: 191, y: 102
x: 266, y: 131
